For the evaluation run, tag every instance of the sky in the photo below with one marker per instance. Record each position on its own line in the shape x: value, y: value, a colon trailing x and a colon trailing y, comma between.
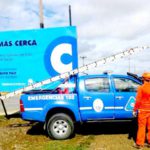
x: 104, y: 27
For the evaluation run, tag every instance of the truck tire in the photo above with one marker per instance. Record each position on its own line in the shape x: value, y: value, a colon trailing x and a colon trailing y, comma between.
x: 60, y: 126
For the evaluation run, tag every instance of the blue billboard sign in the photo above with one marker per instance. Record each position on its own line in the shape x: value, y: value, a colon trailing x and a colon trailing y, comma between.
x: 30, y: 56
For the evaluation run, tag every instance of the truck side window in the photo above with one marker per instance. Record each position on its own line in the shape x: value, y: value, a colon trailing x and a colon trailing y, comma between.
x: 125, y: 85
x: 97, y: 85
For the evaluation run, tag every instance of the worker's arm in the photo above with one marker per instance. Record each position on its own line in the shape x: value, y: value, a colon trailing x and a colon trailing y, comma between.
x: 138, y: 101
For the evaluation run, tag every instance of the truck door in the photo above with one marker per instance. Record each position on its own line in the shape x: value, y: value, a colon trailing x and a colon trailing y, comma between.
x: 125, y: 92
x: 96, y: 98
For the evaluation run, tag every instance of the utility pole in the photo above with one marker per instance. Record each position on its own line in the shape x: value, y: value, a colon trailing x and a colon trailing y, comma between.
x: 83, y: 58
x: 129, y: 59
x: 41, y: 14
x: 70, y: 17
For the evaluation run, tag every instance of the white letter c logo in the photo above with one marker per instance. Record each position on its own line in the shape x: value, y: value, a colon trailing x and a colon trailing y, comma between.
x: 61, y: 55
x: 55, y: 58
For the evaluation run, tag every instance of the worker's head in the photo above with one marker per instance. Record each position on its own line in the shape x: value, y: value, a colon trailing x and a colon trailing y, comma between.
x: 146, y: 76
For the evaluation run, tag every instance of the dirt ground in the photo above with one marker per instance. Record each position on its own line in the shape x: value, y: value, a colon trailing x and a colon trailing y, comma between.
x: 16, y: 134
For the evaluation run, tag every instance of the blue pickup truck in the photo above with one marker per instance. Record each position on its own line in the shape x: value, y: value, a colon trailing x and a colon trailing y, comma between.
x: 93, y: 98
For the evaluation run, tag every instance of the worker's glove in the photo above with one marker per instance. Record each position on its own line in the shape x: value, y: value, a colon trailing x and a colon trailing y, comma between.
x: 134, y: 113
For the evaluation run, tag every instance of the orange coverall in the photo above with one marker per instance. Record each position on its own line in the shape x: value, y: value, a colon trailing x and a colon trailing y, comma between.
x: 142, y: 105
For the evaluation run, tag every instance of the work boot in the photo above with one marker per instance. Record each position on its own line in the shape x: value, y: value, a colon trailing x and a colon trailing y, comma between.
x: 148, y: 145
x: 138, y: 146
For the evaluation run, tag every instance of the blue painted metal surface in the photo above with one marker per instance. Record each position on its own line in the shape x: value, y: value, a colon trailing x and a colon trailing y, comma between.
x: 88, y: 103
x: 30, y: 56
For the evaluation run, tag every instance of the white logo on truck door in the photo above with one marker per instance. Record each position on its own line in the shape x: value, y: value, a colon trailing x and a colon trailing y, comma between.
x: 98, y: 105
x: 130, y: 104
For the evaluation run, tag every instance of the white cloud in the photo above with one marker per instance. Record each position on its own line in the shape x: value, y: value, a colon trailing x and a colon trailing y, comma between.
x: 104, y: 27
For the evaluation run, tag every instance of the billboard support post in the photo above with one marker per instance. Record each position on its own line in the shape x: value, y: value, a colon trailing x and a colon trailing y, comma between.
x: 5, y: 111
x: 70, y: 17
x: 41, y: 14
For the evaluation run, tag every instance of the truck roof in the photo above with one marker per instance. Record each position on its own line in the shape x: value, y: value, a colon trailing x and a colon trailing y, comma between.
x: 132, y: 76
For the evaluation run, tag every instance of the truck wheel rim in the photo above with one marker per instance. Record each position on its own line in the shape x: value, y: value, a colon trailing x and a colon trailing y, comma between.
x: 60, y: 127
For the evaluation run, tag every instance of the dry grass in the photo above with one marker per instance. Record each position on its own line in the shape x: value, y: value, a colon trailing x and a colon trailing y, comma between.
x: 16, y: 134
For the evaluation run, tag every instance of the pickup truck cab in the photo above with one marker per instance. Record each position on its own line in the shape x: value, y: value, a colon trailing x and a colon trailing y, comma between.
x: 94, y: 98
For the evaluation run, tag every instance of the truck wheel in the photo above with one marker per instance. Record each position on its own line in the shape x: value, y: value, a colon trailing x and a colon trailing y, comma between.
x: 60, y: 126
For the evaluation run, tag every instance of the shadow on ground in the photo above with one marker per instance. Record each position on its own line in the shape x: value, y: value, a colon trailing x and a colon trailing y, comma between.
x: 37, y: 129
x: 17, y: 123
x: 13, y: 115
x: 129, y: 128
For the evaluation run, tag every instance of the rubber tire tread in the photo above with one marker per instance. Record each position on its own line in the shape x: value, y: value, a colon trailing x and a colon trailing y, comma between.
x: 59, y: 116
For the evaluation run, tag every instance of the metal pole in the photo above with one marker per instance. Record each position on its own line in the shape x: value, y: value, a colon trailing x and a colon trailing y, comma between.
x: 70, y: 17
x: 129, y: 64
x: 83, y: 58
x: 4, y: 108
x: 41, y: 14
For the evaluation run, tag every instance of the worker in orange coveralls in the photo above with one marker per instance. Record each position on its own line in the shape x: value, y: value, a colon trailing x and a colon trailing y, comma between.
x: 142, y: 108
